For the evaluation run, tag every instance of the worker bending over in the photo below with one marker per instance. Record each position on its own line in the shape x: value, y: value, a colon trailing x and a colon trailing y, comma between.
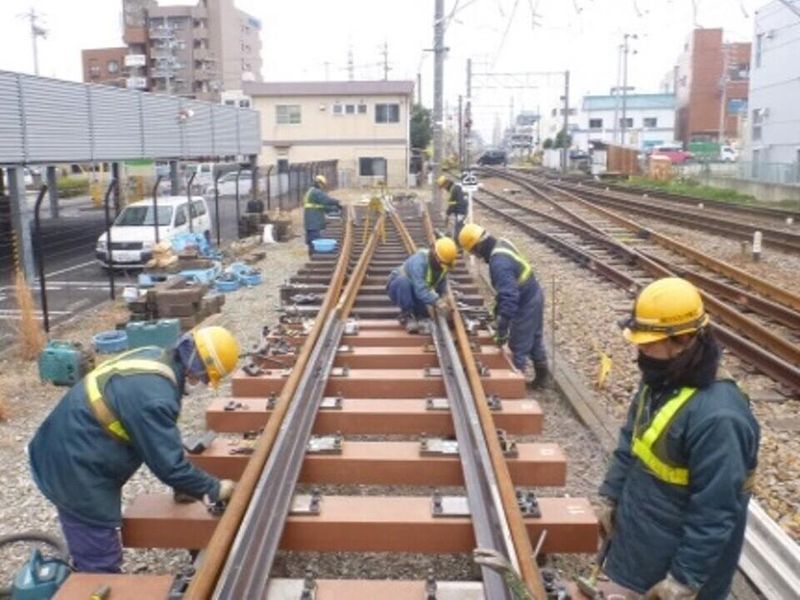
x: 122, y: 414
x: 519, y: 300
x: 419, y: 284
x: 314, y: 206
x: 456, y: 203
x: 676, y: 491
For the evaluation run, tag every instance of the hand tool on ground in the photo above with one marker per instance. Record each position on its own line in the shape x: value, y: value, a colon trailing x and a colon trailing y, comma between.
x: 199, y: 443
x: 588, y: 585
x: 101, y: 593
x: 492, y: 559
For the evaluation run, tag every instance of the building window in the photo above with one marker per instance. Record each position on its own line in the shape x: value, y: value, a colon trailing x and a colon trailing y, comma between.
x: 362, y: 109
x: 287, y: 114
x: 94, y: 69
x: 387, y: 113
x: 627, y: 122
x: 244, y: 103
x: 230, y: 102
x: 650, y: 122
x: 372, y: 167
x: 757, y: 120
x: 595, y: 123
x: 113, y: 67
x: 759, y: 49
x: 350, y: 109
x: 337, y: 109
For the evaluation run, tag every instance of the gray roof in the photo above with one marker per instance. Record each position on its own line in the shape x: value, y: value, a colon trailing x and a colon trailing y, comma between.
x: 632, y: 101
x: 328, y: 88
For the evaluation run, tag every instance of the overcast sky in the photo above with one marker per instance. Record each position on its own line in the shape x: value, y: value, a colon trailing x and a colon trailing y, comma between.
x: 301, y: 36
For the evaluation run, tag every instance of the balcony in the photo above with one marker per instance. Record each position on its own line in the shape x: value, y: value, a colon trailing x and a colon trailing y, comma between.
x: 204, y: 75
x: 203, y: 54
x: 200, y: 33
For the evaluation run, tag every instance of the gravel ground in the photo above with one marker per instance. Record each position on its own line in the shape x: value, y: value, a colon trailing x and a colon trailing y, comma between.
x: 22, y: 507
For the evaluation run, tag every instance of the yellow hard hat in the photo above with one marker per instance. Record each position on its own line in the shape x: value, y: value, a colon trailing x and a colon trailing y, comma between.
x: 667, y: 307
x: 322, y: 180
x: 442, y: 180
x: 446, y: 251
x: 470, y: 235
x: 218, y: 350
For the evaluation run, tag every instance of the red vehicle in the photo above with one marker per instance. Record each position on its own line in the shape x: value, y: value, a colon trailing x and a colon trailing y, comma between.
x: 676, y: 154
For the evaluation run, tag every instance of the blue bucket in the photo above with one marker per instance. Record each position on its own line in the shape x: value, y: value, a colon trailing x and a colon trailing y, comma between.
x: 324, y: 245
x: 110, y: 342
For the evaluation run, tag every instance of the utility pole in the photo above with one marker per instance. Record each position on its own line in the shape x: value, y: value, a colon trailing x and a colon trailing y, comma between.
x: 626, y: 49
x: 616, y: 92
x: 438, y: 95
x: 565, y: 137
x: 460, y: 132
x: 385, y: 60
x: 351, y: 69
x: 724, y: 94
x: 419, y: 89
x: 37, y: 31
x: 468, y: 111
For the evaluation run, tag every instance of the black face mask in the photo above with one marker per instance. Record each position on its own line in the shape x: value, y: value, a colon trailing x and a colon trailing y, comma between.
x: 695, y: 367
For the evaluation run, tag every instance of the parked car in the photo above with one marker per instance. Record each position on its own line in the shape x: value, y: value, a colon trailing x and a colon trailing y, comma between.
x: 676, y: 155
x: 728, y: 154
x: 493, y: 157
x: 227, y: 185
x: 133, y: 232
x: 203, y: 174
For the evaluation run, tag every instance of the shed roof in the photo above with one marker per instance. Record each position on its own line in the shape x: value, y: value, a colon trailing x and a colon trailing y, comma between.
x: 632, y: 101
x: 328, y: 88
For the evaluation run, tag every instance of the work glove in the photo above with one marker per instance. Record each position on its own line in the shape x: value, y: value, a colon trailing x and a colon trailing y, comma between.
x: 443, y: 306
x: 670, y: 588
x: 226, y: 487
x: 501, y: 331
x: 605, y: 516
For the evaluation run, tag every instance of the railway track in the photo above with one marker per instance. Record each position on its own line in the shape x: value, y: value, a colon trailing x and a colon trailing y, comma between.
x: 694, y: 218
x: 758, y: 321
x: 327, y: 397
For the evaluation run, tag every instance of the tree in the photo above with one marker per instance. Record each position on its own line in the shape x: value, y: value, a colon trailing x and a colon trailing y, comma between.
x: 547, y: 144
x: 559, y: 143
x: 421, y: 128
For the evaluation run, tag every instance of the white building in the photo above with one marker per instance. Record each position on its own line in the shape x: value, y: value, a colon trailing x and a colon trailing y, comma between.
x: 775, y: 94
x: 650, y: 120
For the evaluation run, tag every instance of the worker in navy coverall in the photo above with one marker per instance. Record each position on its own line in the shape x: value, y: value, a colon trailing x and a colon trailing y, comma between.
x: 676, y: 491
x: 119, y: 416
x: 519, y: 300
x: 314, y: 205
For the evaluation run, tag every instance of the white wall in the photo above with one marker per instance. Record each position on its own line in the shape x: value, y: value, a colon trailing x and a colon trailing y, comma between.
x: 638, y: 135
x: 775, y: 85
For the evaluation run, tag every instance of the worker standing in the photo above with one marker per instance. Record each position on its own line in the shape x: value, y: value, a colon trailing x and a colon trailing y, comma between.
x: 314, y: 205
x: 419, y: 284
x: 676, y: 491
x: 456, y: 203
x: 519, y: 300
x: 122, y: 414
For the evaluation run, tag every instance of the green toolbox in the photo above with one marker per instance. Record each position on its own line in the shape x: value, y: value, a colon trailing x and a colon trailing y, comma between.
x: 64, y: 363
x: 163, y: 333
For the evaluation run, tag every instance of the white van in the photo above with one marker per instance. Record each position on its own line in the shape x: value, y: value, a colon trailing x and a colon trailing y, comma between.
x: 133, y: 232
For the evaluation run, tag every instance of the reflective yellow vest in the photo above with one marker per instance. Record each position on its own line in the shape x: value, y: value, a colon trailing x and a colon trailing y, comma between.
x: 309, y: 203
x: 428, y: 272
x: 125, y: 364
x: 507, y: 248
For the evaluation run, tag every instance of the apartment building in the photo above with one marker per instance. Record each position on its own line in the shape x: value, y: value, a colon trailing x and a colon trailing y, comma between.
x: 105, y: 65
x: 711, y: 79
x: 774, y: 109
x: 362, y: 124
x: 649, y: 120
x: 194, y: 51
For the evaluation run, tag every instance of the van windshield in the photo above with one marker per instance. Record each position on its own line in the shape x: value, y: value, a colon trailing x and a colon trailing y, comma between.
x: 135, y: 216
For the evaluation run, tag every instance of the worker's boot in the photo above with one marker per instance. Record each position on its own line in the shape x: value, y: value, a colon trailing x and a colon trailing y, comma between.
x: 403, y: 318
x: 412, y: 325
x: 543, y: 377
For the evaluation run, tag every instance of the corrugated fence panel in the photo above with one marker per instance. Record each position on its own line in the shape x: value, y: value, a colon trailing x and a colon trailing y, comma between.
x: 249, y: 132
x: 56, y: 120
x: 162, y: 133
x: 116, y: 122
x: 11, y: 147
x: 225, y: 131
x: 197, y: 129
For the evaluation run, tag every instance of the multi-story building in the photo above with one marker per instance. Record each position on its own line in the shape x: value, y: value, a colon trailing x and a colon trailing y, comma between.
x: 774, y: 109
x: 196, y: 51
x: 649, y: 120
x: 105, y: 65
x: 362, y: 124
x: 710, y: 87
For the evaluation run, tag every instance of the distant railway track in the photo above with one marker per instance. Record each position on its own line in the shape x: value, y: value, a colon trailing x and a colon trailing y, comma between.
x: 595, y: 243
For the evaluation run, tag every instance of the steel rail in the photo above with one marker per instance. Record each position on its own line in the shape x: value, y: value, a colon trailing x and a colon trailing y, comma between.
x: 218, y: 548
x: 247, y: 569
x: 774, y: 311
x: 526, y: 562
x: 483, y: 498
x: 741, y: 276
x: 785, y: 372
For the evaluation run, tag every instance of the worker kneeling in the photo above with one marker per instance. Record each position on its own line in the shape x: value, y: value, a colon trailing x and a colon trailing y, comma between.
x: 419, y: 284
x: 122, y: 414
x: 677, y: 487
x: 519, y: 301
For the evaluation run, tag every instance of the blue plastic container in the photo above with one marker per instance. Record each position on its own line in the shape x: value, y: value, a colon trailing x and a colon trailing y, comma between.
x: 163, y: 333
x: 324, y: 245
x: 251, y: 279
x: 204, y: 276
x: 64, y: 363
x: 110, y: 342
x: 227, y: 285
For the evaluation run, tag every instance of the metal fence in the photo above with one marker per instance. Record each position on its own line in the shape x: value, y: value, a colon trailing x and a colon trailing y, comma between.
x: 762, y: 172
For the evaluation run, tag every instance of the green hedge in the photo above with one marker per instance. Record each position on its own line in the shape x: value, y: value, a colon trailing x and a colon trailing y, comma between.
x: 72, y: 186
